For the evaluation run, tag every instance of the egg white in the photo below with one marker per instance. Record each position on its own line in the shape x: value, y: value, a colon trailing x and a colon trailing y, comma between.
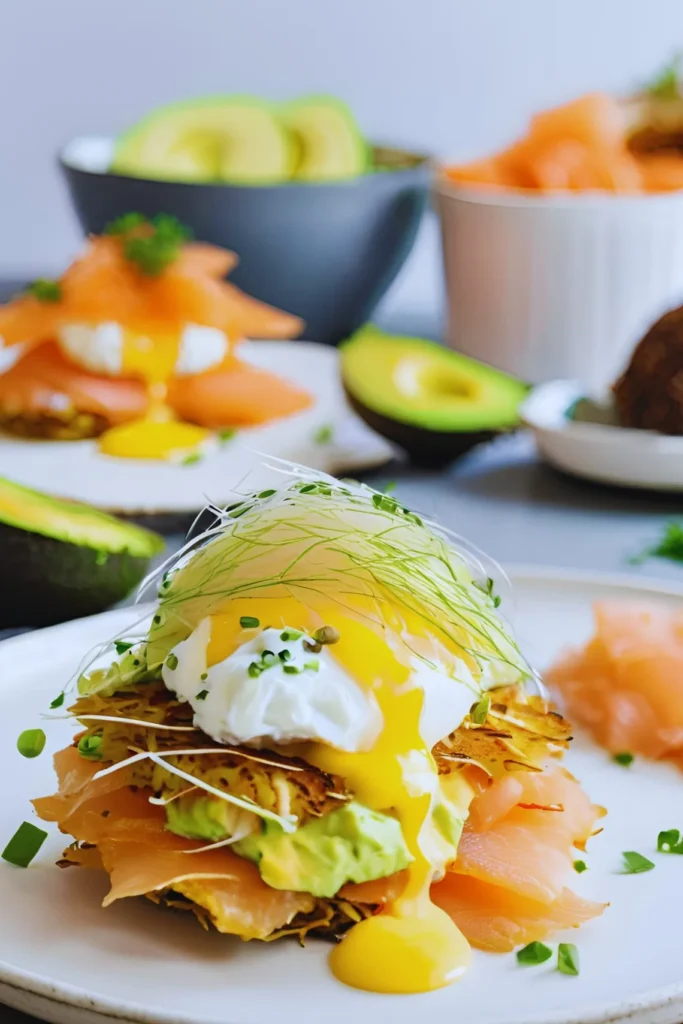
x: 100, y: 348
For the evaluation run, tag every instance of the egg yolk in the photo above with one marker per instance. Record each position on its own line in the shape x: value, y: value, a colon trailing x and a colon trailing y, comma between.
x: 412, y: 945
x: 160, y: 435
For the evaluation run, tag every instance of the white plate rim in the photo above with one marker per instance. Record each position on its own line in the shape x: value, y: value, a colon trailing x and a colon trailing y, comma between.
x: 66, y: 997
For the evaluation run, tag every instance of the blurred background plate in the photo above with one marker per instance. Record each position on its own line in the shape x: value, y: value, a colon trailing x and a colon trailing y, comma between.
x: 329, y: 436
x: 600, y: 451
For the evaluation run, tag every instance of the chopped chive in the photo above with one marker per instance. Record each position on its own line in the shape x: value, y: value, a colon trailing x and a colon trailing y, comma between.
x: 497, y: 601
x: 202, y: 695
x: 290, y: 634
x: 226, y: 434
x: 291, y: 670
x: 31, y: 742
x: 24, y: 845
x: 268, y: 658
x: 669, y: 841
x: 45, y: 290
x: 567, y: 958
x: 389, y: 486
x: 122, y: 646
x: 89, y: 746
x: 580, y: 866
x: 324, y: 434
x: 249, y: 622
x: 255, y: 669
x: 313, y: 666
x: 635, y: 863
x: 624, y: 758
x: 307, y: 488
x: 534, y: 953
x: 285, y: 655
x: 203, y: 676
x: 267, y: 494
x: 192, y: 459
x: 58, y: 701
x: 172, y: 661
x: 479, y: 711
x: 327, y: 635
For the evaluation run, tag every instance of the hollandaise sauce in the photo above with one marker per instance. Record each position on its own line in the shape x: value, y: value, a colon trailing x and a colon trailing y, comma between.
x: 160, y: 435
x: 411, y: 945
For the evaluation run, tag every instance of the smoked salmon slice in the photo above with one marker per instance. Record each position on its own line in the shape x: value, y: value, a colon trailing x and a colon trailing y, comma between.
x: 626, y: 685
x: 235, y: 395
x: 102, y: 285
x: 44, y: 383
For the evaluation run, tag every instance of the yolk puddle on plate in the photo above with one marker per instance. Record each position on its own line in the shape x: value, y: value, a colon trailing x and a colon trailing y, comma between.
x: 412, y: 945
x: 160, y: 435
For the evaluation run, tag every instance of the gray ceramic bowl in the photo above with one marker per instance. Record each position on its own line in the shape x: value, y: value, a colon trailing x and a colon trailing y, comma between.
x: 327, y: 252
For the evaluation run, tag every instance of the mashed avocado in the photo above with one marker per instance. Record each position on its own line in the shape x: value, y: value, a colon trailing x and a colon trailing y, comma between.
x: 350, y: 844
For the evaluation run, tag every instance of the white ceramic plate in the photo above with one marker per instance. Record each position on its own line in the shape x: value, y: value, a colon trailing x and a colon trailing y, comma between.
x: 64, y: 958
x: 75, y: 469
x: 608, y: 454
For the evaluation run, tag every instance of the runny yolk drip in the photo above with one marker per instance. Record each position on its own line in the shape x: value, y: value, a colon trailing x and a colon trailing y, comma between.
x: 160, y: 435
x: 412, y: 945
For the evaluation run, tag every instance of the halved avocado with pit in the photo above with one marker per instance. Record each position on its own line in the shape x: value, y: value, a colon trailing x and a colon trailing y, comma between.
x: 434, y: 403
x: 329, y: 142
x: 62, y: 560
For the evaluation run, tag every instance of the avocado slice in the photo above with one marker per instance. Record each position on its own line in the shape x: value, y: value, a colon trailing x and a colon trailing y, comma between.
x: 330, y: 144
x: 61, y: 560
x: 236, y: 139
x: 433, y: 402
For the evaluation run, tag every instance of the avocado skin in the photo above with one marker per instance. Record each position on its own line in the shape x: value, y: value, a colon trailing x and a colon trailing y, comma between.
x: 44, y: 581
x: 429, y: 448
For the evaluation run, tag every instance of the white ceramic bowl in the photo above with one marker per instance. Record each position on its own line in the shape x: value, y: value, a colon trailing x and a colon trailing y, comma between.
x: 558, y: 286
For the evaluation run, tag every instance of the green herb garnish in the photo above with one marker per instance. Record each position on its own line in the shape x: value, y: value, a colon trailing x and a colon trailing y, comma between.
x: 479, y: 711
x: 172, y: 661
x: 157, y: 248
x: 58, y: 701
x: 31, y: 742
x: 669, y: 546
x: 580, y: 866
x: 666, y: 84
x: 290, y: 634
x: 226, y: 434
x: 624, y: 758
x: 313, y: 666
x: 534, y: 953
x: 122, y: 225
x: 24, y: 845
x: 45, y: 290
x: 567, y: 958
x: 121, y: 646
x: 268, y: 658
x: 291, y: 670
x: 192, y: 459
x: 669, y: 841
x: 285, y: 655
x: 249, y: 622
x: 255, y: 669
x: 324, y: 434
x: 267, y: 494
x: 89, y: 746
x: 203, y: 676
x: 202, y: 695
x: 635, y: 863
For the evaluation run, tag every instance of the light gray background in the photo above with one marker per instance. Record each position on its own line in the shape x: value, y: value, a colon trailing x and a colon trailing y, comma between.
x: 451, y: 76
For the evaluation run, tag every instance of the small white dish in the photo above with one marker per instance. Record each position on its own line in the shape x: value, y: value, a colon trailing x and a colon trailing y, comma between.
x: 603, y: 452
x: 558, y: 285
x: 328, y: 436
x: 65, y: 959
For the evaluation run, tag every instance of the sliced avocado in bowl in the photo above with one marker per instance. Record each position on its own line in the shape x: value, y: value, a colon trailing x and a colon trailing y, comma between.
x: 329, y: 142
x: 238, y: 139
x: 434, y: 403
x: 62, y: 560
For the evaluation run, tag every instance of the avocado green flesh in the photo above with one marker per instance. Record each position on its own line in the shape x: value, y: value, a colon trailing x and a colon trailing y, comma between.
x: 330, y: 144
x: 420, y: 384
x: 227, y: 138
x: 350, y: 844
x: 61, y: 560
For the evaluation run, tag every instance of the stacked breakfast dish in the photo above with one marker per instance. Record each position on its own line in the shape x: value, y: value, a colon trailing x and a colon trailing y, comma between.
x: 136, y: 344
x: 328, y: 729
